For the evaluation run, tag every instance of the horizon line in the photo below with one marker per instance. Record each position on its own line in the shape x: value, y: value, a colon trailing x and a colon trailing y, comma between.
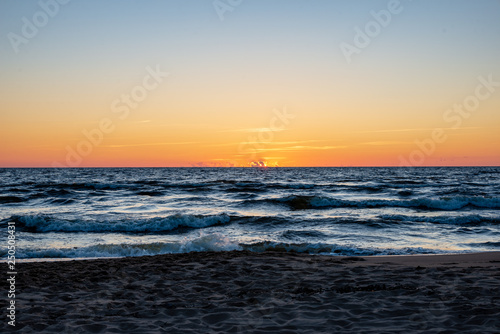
x: 259, y: 167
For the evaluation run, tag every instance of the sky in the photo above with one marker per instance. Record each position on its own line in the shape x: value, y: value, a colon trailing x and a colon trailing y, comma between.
x: 249, y: 82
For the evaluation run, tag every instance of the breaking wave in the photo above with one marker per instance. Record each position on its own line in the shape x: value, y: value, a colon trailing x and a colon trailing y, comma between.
x: 334, y: 249
x: 43, y: 224
x: 298, y: 202
x: 212, y: 242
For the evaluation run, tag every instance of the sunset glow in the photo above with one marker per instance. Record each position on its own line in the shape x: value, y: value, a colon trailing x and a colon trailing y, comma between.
x: 170, y: 83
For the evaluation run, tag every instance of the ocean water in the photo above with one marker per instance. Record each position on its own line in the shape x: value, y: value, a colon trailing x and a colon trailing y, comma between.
x: 109, y: 212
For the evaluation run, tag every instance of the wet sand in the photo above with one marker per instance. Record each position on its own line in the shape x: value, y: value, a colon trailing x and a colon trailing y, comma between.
x: 271, y: 292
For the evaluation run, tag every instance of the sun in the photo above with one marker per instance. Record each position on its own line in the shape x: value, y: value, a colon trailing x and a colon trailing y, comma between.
x: 260, y: 164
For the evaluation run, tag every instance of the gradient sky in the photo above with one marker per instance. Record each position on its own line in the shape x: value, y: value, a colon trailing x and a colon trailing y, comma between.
x: 228, y: 79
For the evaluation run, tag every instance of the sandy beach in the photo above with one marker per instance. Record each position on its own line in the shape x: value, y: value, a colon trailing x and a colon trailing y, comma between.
x: 270, y: 292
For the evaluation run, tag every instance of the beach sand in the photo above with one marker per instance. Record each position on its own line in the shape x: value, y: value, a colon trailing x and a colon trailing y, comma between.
x: 271, y: 292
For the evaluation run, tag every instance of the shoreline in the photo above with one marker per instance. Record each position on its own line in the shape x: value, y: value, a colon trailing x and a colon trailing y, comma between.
x: 241, y: 291
x: 69, y: 259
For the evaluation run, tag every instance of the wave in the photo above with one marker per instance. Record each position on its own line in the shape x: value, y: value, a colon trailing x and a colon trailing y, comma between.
x: 213, y: 242
x: 300, y: 202
x: 405, y: 193
x: 86, y: 186
x: 301, y: 234
x: 473, y: 219
x: 334, y: 249
x: 10, y: 199
x: 489, y: 244
x: 379, y: 221
x: 272, y: 222
x: 407, y: 182
x: 49, y: 223
x: 246, y: 189
x: 61, y: 201
x: 44, y: 224
x: 150, y: 193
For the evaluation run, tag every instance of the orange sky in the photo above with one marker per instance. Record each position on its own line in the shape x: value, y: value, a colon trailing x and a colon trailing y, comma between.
x: 269, y: 83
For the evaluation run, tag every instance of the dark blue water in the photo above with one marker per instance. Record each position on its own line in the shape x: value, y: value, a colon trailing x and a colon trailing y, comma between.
x: 100, y: 212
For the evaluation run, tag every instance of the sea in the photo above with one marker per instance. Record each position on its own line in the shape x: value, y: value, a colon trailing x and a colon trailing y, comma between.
x: 64, y: 213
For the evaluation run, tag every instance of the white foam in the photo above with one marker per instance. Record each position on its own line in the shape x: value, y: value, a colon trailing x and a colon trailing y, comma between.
x: 41, y: 223
x: 442, y: 203
x: 200, y: 243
